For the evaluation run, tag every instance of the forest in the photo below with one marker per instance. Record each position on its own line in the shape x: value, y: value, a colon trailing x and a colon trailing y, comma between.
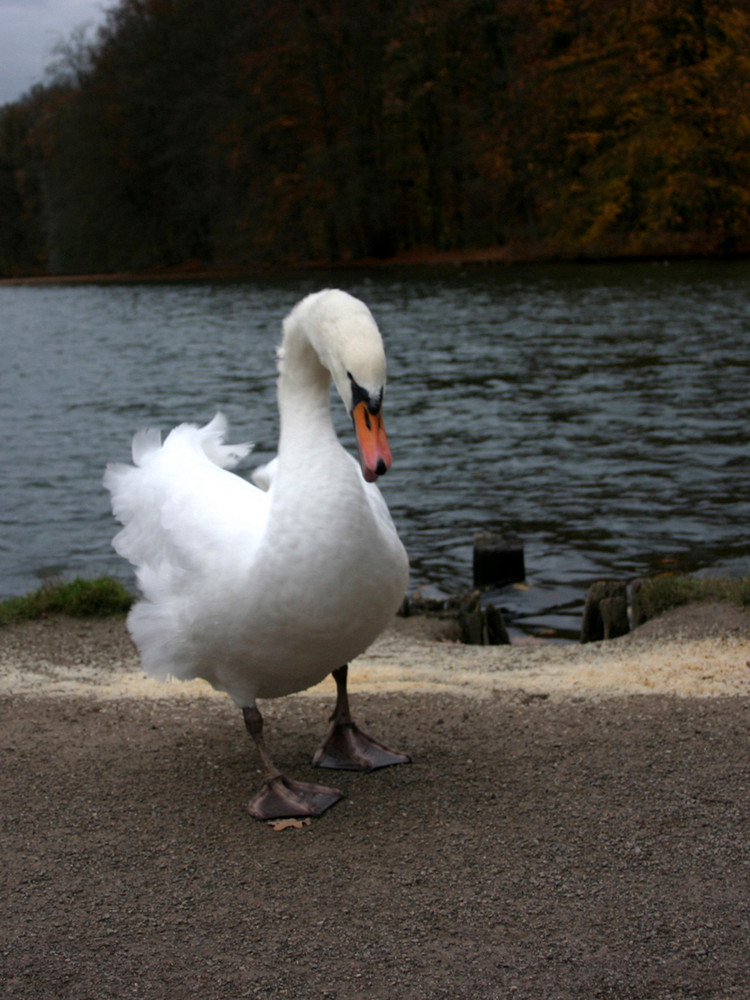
x: 218, y: 133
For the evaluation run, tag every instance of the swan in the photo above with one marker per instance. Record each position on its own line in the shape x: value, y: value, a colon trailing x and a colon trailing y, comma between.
x: 263, y: 588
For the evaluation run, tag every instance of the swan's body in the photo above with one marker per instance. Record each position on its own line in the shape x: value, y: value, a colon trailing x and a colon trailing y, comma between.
x: 264, y: 589
x: 259, y: 593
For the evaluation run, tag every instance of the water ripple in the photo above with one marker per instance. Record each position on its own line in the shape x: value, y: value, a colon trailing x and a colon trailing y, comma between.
x: 600, y: 412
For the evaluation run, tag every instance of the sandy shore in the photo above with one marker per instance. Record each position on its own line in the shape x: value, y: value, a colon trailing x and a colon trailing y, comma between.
x: 700, y: 651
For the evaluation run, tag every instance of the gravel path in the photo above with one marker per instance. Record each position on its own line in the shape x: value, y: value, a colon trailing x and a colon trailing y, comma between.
x: 574, y: 825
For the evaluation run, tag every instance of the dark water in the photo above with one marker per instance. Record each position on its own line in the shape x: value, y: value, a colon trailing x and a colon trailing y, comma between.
x: 600, y: 412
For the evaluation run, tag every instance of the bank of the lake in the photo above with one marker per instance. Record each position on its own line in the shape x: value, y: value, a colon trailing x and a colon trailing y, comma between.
x: 517, y: 254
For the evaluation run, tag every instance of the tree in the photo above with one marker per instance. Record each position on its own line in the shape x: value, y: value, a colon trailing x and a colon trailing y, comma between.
x: 297, y: 130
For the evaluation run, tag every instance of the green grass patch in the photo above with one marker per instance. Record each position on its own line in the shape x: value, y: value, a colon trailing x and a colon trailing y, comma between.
x: 80, y: 598
x: 658, y: 594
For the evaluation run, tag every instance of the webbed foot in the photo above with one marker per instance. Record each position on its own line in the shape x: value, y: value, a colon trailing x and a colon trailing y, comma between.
x: 347, y: 747
x: 281, y: 797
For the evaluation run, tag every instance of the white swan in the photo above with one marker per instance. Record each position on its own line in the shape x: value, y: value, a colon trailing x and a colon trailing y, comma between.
x: 264, y: 589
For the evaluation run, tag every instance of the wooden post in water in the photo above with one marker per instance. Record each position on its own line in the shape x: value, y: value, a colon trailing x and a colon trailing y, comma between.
x: 498, y: 560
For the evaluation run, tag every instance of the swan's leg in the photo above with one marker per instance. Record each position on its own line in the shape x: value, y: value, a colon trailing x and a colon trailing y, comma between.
x: 346, y: 745
x: 280, y: 797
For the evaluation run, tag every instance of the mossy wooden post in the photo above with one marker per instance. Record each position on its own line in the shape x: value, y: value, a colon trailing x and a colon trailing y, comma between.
x: 605, y: 613
x: 482, y: 626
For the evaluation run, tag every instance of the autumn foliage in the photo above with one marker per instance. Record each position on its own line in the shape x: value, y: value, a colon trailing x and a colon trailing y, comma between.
x: 296, y: 130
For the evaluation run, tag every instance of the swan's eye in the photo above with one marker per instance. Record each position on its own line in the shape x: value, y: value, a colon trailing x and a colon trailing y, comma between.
x: 360, y: 395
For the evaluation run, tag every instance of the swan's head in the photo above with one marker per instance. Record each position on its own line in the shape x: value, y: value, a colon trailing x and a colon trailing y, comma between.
x: 347, y: 340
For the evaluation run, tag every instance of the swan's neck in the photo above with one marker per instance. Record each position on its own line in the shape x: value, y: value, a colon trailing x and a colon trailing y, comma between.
x: 304, y: 394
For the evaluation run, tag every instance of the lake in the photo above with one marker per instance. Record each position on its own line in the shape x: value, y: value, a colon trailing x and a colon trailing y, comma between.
x: 599, y: 412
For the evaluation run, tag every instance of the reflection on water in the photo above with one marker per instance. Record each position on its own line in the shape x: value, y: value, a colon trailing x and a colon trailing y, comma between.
x: 600, y: 412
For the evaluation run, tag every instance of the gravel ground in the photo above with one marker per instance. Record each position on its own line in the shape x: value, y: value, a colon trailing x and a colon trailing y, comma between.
x: 574, y: 825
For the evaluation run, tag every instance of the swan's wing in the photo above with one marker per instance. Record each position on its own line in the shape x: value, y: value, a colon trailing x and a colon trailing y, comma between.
x: 264, y: 475
x: 211, y: 437
x: 185, y: 517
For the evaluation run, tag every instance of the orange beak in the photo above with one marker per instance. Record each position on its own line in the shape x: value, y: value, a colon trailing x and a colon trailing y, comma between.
x: 374, y: 452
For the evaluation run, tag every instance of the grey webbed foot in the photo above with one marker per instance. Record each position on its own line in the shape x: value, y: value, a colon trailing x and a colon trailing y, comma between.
x: 348, y: 747
x: 282, y: 797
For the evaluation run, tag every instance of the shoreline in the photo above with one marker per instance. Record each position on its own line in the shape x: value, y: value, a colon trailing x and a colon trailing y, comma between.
x: 511, y: 255
x: 698, y: 650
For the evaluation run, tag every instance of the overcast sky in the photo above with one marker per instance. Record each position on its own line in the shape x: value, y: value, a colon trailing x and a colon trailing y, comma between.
x: 28, y: 31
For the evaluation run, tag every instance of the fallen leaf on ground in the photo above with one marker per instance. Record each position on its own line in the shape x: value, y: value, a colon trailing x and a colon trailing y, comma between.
x: 289, y: 824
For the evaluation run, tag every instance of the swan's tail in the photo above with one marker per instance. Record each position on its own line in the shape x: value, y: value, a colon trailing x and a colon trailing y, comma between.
x: 153, y: 491
x: 183, y: 520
